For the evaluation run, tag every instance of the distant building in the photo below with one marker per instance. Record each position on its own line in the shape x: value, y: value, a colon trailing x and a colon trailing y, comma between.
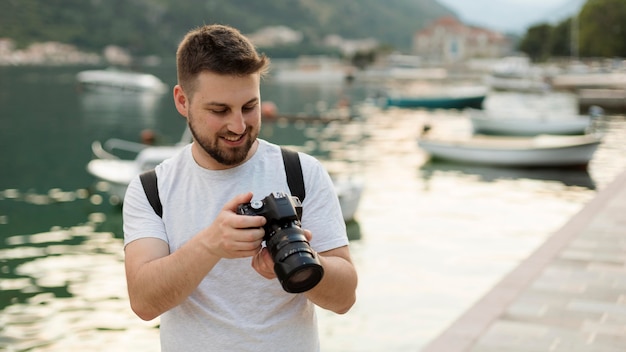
x: 44, y: 53
x: 351, y: 46
x: 447, y: 40
x: 275, y: 36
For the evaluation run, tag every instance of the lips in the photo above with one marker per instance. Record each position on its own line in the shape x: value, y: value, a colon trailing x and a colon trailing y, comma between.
x: 232, y: 138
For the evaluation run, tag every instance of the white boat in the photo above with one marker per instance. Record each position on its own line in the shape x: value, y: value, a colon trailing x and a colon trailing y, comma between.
x: 536, y: 151
x: 490, y: 122
x: 113, y: 80
x: 349, y: 192
x: 312, y: 70
x: 604, y: 80
x: 517, y: 73
x: 117, y: 173
x: 515, y: 83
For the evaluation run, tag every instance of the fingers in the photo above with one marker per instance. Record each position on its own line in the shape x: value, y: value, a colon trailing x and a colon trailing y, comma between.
x: 238, y: 199
x: 308, y: 235
x: 243, y: 242
x: 263, y: 263
x: 232, y: 235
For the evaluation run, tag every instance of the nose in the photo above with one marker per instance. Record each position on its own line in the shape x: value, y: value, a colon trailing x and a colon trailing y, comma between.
x: 237, y: 123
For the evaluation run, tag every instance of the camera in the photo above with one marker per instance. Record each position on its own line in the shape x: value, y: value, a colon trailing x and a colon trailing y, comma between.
x: 296, y: 265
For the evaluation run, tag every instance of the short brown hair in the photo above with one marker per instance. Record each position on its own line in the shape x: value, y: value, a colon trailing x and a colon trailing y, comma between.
x: 217, y: 48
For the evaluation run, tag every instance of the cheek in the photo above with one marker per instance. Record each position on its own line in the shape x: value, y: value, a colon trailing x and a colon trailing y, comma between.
x: 254, y: 118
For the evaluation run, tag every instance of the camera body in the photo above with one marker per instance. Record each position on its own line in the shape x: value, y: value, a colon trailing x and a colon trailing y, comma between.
x: 295, y: 263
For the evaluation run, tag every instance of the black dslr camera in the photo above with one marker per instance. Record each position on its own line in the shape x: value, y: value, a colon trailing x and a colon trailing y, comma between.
x: 296, y: 265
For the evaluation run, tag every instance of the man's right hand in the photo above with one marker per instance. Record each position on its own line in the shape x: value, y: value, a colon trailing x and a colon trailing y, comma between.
x: 232, y: 235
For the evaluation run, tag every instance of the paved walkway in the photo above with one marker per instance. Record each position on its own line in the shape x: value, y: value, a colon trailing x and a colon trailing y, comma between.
x: 569, y: 295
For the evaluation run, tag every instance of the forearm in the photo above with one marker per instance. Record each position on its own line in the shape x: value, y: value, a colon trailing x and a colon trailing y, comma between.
x: 337, y: 289
x: 161, y: 284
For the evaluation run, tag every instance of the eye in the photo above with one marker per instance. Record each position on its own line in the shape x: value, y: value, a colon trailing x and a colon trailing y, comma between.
x: 249, y: 107
x: 219, y: 111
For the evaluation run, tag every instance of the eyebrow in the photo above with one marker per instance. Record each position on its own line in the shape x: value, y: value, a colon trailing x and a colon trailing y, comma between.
x: 214, y: 103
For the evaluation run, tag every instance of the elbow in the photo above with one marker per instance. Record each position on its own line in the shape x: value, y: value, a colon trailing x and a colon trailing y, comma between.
x: 144, y: 312
x: 345, y: 308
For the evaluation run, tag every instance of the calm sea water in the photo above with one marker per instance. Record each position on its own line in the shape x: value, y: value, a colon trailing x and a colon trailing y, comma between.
x: 430, y: 237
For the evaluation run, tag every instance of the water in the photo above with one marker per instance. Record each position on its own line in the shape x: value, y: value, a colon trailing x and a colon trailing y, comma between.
x: 429, y: 240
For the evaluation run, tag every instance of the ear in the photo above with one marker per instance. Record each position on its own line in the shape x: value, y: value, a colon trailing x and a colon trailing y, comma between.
x: 180, y: 100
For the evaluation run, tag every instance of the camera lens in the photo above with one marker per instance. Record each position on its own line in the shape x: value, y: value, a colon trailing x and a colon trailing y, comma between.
x: 295, y: 263
x: 301, y: 275
x: 303, y: 279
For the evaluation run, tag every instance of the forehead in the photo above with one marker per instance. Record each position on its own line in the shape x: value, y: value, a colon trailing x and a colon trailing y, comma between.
x: 226, y: 89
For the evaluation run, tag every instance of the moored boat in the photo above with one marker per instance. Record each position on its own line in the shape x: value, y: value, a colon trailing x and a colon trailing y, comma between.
x: 536, y: 151
x: 531, y: 124
x: 443, y: 98
x: 113, y: 80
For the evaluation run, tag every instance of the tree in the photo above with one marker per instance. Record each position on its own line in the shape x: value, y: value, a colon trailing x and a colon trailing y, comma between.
x: 537, y: 43
x: 602, y: 28
x: 562, y: 39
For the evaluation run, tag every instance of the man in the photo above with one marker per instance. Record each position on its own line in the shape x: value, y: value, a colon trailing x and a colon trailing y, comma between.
x: 201, y: 266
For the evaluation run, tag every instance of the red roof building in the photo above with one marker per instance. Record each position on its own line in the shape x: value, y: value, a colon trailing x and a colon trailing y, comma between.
x: 447, y: 40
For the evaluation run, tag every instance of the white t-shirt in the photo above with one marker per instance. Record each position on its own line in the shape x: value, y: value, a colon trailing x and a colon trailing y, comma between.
x: 234, y: 308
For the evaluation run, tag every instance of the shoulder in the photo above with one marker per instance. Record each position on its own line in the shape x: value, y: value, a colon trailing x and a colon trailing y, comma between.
x: 310, y: 165
x: 175, y: 164
x: 309, y: 161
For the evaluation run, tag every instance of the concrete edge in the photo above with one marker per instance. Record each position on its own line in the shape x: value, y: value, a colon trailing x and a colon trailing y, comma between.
x: 466, y: 330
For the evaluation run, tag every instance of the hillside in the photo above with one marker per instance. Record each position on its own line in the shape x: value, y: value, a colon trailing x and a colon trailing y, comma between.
x: 155, y: 26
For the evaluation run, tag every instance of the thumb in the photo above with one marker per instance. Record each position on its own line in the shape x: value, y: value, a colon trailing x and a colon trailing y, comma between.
x: 238, y: 199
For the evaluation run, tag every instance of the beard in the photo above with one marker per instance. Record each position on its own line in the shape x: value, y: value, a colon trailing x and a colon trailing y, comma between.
x: 228, y: 156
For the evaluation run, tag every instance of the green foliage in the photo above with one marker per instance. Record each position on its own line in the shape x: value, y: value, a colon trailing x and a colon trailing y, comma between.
x: 537, y: 43
x: 156, y: 26
x: 601, y: 27
x: 562, y: 39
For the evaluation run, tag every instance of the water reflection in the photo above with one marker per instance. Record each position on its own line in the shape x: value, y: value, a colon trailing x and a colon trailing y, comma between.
x: 64, y: 290
x: 110, y: 108
x: 568, y: 177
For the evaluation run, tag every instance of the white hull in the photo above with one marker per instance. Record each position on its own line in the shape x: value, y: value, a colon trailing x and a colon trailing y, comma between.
x: 540, y: 151
x: 349, y: 193
x: 312, y: 70
x: 118, y: 172
x: 297, y: 76
x: 574, y: 81
x: 517, y: 84
x: 107, y: 81
x: 483, y: 122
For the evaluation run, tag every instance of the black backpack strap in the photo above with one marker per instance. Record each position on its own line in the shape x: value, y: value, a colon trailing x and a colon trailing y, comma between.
x: 293, y: 168
x: 149, y: 183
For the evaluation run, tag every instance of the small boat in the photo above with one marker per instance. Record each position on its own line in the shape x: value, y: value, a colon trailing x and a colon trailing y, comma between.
x: 513, y: 151
x: 312, y: 70
x: 446, y: 98
x: 117, y: 172
x: 114, y: 80
x: 517, y: 84
x: 590, y: 80
x: 489, y: 122
x: 517, y: 73
x: 349, y: 192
